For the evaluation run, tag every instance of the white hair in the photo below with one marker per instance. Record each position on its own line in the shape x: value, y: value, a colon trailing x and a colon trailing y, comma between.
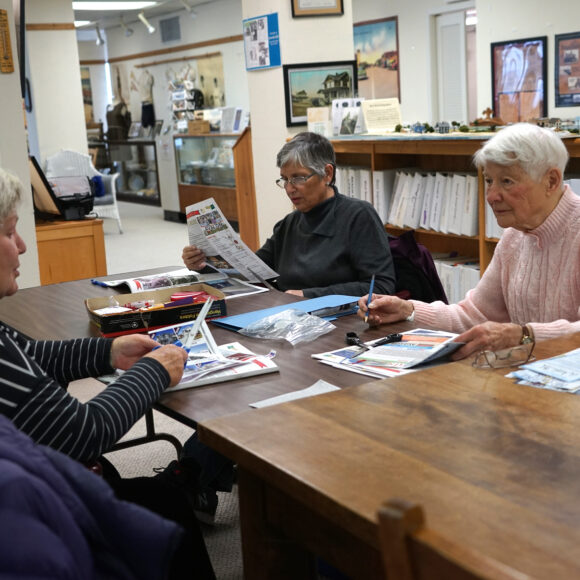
x: 533, y: 148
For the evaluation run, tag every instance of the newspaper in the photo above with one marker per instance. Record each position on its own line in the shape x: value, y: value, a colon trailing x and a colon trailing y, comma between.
x: 211, y: 232
x: 231, y: 287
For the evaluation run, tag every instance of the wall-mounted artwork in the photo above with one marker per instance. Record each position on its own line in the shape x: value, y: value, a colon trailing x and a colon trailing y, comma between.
x: 567, y: 69
x: 316, y: 85
x: 519, y: 79
x: 376, y: 45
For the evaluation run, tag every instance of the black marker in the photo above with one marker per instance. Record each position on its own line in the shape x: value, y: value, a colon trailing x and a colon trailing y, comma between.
x: 396, y: 337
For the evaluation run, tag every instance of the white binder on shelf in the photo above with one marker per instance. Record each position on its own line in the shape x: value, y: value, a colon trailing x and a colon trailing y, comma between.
x: 427, y: 201
x: 470, y: 221
x: 456, y: 203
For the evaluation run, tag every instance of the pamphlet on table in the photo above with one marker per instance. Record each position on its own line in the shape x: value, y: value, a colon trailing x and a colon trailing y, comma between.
x: 229, y: 286
x: 210, y: 231
x: 209, y: 363
x: 415, y: 349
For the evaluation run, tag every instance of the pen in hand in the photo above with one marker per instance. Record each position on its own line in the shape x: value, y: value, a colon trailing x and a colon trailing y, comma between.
x: 370, y: 298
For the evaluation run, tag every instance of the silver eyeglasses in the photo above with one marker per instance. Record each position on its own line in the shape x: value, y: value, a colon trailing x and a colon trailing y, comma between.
x: 298, y: 180
x: 509, y: 357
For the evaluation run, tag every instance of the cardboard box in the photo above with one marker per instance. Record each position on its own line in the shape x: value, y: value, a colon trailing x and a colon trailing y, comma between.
x: 197, y: 127
x: 143, y: 320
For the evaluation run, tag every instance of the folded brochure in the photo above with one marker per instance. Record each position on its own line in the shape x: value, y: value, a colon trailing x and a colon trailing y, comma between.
x: 416, y: 348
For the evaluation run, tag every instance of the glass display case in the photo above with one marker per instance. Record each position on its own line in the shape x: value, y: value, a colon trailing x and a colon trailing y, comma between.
x: 219, y: 165
x: 136, y: 162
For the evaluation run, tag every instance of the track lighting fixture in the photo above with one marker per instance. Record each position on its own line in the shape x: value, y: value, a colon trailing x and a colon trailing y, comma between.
x: 189, y: 9
x: 146, y: 23
x: 128, y: 31
x: 100, y: 39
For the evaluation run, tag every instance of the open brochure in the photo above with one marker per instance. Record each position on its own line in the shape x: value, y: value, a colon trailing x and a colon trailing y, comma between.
x: 416, y: 348
x: 229, y: 286
x: 210, y: 231
x: 209, y: 363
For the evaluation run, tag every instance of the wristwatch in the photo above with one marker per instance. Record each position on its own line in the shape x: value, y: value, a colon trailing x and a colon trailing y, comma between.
x: 527, y: 334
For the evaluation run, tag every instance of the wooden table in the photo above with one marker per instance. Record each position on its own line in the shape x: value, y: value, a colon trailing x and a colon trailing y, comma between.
x: 495, y: 465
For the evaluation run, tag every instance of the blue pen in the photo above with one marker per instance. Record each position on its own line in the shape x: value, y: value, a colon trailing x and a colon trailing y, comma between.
x: 99, y: 283
x: 370, y: 298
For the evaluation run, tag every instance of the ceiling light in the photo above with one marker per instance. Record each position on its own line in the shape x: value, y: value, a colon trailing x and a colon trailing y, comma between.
x: 128, y: 31
x: 112, y: 5
x: 148, y: 25
x: 191, y: 11
x: 100, y: 40
x: 81, y: 23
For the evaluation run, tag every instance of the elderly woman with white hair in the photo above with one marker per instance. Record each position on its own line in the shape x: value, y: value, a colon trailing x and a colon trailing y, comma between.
x: 531, y: 289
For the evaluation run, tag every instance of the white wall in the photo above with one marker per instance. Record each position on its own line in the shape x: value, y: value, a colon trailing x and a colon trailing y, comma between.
x: 55, y: 79
x: 14, y: 158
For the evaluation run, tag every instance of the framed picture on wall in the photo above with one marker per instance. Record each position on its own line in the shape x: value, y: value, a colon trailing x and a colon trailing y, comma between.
x: 376, y: 47
x: 316, y: 85
x: 316, y: 8
x: 567, y: 69
x: 518, y: 73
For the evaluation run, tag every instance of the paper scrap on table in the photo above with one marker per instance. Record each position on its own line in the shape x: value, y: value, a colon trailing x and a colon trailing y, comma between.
x: 317, y: 388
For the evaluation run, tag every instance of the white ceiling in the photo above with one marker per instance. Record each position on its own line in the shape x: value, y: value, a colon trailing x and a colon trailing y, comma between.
x: 109, y: 18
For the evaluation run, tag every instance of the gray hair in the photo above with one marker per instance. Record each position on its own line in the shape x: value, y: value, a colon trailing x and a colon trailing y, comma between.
x: 309, y: 150
x: 10, y: 193
x: 534, y: 148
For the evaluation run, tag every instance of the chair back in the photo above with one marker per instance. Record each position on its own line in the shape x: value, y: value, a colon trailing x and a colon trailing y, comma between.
x: 413, y: 552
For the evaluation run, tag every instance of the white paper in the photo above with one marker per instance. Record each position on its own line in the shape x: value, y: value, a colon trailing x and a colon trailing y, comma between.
x: 317, y: 388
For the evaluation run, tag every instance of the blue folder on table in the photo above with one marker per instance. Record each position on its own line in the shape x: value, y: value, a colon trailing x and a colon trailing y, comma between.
x: 328, y: 307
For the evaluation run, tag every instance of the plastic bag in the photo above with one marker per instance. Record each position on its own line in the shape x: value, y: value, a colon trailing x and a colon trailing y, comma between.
x: 292, y: 325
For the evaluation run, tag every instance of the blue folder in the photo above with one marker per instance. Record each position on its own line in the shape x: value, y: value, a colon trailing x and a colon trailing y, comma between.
x: 328, y: 307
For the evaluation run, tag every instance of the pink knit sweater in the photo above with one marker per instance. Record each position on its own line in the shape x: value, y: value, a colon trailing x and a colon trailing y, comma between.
x: 533, y: 278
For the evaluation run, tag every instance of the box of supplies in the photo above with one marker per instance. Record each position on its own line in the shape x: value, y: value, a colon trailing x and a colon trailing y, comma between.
x: 143, y: 311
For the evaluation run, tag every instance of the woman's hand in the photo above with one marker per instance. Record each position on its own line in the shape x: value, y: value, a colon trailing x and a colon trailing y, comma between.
x: 127, y: 350
x: 193, y: 258
x: 295, y: 292
x: 488, y: 336
x: 384, y: 309
x: 173, y: 358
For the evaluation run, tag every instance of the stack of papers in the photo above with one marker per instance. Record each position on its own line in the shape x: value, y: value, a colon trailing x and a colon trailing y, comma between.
x: 416, y: 348
x: 559, y: 373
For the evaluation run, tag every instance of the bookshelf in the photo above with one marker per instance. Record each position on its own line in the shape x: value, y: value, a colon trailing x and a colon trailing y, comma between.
x: 433, y: 154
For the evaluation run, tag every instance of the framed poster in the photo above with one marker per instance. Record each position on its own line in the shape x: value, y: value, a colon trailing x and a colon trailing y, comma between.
x: 376, y: 46
x: 518, y: 79
x: 567, y: 69
x: 262, y: 42
x: 316, y: 85
x: 316, y: 8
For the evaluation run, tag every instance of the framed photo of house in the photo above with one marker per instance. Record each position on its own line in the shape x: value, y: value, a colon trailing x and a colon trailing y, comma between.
x: 518, y: 69
x: 567, y: 69
x: 316, y: 8
x: 376, y: 46
x: 316, y: 85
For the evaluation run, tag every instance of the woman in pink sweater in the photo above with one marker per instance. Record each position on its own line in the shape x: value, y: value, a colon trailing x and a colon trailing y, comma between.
x: 532, y: 285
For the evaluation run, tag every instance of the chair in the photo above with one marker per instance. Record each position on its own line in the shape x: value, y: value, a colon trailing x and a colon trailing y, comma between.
x: 413, y: 552
x: 68, y: 162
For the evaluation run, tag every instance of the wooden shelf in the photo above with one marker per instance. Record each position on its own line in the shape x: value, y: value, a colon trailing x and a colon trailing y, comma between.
x: 430, y: 154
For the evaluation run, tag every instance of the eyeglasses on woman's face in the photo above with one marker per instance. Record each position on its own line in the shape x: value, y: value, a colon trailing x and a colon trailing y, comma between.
x: 295, y: 181
x: 509, y: 357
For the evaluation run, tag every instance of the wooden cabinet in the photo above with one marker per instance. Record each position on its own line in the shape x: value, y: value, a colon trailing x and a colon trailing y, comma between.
x: 453, y: 154
x: 70, y: 250
x: 221, y: 166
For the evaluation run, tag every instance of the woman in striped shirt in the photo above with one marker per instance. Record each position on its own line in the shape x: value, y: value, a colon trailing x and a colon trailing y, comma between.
x: 33, y: 372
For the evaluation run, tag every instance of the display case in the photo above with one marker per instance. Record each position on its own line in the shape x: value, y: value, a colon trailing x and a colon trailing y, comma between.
x: 136, y: 162
x: 219, y: 165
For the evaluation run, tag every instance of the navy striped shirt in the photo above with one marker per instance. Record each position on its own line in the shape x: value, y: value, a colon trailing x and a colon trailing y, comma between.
x: 32, y: 373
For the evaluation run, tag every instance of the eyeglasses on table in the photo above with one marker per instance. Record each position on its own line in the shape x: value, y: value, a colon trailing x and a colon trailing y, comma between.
x: 508, y: 357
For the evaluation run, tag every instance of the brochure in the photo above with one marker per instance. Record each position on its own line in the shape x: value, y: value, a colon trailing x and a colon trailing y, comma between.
x: 231, y: 287
x: 209, y: 363
x: 416, y: 348
x: 210, y: 231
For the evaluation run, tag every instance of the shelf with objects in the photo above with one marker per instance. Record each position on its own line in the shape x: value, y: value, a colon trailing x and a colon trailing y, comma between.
x: 366, y: 158
x: 219, y: 165
x: 136, y: 162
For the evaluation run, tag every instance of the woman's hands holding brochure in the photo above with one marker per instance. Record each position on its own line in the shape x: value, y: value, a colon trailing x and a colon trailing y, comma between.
x: 127, y: 350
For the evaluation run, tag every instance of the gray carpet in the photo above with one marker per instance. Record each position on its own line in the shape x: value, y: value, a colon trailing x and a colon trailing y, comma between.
x: 222, y: 539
